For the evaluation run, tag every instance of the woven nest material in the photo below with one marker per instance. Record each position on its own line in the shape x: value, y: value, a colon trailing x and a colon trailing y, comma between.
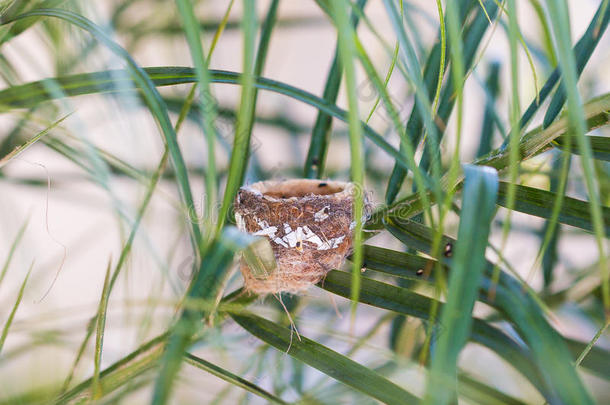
x: 308, y: 228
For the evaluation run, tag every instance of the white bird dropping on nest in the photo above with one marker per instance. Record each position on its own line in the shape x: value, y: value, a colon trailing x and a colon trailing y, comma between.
x: 307, y: 228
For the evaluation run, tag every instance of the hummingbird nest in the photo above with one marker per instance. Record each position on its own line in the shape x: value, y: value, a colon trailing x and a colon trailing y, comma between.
x: 306, y: 227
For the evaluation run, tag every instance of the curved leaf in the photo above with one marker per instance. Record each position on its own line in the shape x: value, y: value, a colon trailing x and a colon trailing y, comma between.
x: 143, y: 81
x: 116, y: 81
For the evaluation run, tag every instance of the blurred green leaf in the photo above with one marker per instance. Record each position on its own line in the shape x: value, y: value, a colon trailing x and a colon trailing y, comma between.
x: 473, y: 389
x: 99, y: 336
x: 141, y: 360
x: 415, y: 124
x: 548, y: 253
x: 114, y: 81
x: 207, y: 104
x: 582, y: 53
x: 478, y: 209
x: 18, y: 7
x: 12, y: 249
x: 570, y: 69
x: 492, y: 86
x: 143, y: 81
x: 320, y: 134
x: 583, y: 50
x: 205, y: 286
x: 11, y: 316
x: 4, y: 160
x: 395, y: 263
x: 243, y: 127
x: 597, y: 361
x: 231, y: 378
x: 346, y: 43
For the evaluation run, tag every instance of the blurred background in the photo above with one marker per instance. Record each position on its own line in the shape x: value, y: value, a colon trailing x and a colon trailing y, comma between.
x: 74, y: 194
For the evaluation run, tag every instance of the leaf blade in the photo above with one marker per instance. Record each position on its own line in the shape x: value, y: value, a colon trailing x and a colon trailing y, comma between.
x: 536, y: 202
x: 479, y: 199
x: 326, y: 360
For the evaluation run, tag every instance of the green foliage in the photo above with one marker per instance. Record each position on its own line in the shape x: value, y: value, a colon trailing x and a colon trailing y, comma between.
x: 442, y: 294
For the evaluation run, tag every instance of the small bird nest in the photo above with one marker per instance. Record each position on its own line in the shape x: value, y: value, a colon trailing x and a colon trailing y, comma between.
x: 307, y: 228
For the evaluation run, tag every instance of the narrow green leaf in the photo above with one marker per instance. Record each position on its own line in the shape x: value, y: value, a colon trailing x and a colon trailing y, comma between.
x: 536, y: 202
x: 141, y: 360
x: 259, y: 65
x: 220, y: 29
x: 546, y: 32
x: 151, y: 186
x: 582, y: 54
x: 478, y: 209
x: 395, y: 263
x: 472, y: 38
x: 591, y: 344
x: 596, y: 359
x: 205, y: 286
x: 114, y: 81
x: 415, y: 77
x: 19, y: 7
x: 492, y: 85
x: 207, y: 104
x: 20, y: 149
x: 431, y: 75
x: 521, y: 307
x: 515, y: 132
x: 535, y: 142
x: 600, y: 146
x: 99, y: 336
x: 79, y: 355
x: 232, y: 378
x: 347, y: 52
x: 582, y: 50
x: 389, y: 72
x: 393, y: 112
x: 326, y: 360
x: 320, y: 134
x: 480, y: 393
x: 406, y: 302
x: 558, y: 11
x: 151, y: 95
x: 241, y: 141
x: 11, y: 251
x: 549, y: 234
x: 11, y: 316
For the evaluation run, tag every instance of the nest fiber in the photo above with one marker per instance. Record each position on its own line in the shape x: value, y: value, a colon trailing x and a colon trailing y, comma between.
x: 307, y: 225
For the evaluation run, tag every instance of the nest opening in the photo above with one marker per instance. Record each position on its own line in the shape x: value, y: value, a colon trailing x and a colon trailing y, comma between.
x: 301, y: 188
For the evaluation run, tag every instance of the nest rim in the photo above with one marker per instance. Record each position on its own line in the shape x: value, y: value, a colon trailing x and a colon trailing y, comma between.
x: 296, y: 189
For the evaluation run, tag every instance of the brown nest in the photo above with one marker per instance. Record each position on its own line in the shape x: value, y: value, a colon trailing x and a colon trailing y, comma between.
x: 307, y: 225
